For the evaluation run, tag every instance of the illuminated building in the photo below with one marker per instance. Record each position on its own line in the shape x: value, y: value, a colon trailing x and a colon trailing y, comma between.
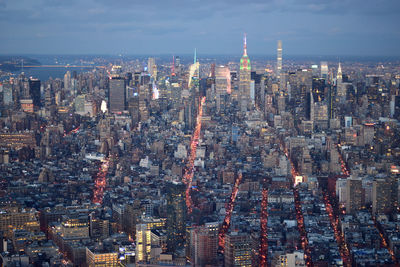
x: 244, y: 79
x: 27, y: 105
x: 324, y: 69
x: 237, y: 249
x: 101, y: 258
x: 13, y: 219
x: 75, y: 227
x: 279, y: 59
x: 117, y: 92
x: 152, y: 67
x: 176, y: 215
x: 144, y: 237
x: 34, y: 91
x: 354, y: 195
x: 17, y: 140
x: 341, y: 87
x: 194, y: 71
x: 222, y: 86
x: 143, y: 243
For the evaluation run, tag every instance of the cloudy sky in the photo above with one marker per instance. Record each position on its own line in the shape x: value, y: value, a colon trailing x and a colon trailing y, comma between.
x: 306, y: 27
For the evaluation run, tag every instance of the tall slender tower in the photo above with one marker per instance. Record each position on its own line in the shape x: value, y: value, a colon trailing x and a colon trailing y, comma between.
x: 339, y: 75
x: 244, y: 78
x: 279, y: 59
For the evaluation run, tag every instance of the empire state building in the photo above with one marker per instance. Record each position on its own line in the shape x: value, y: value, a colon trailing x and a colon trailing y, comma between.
x: 244, y: 79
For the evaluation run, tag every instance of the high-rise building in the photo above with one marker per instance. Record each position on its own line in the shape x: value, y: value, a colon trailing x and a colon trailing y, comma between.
x: 244, y: 78
x: 67, y: 80
x: 143, y: 243
x: 194, y: 69
x: 237, y: 249
x: 152, y: 67
x: 34, y: 91
x: 279, y: 59
x: 204, y: 244
x: 117, y: 93
x: 324, y: 69
x: 381, y: 196
x: 7, y: 94
x: 176, y: 215
x: 354, y: 194
x: 222, y: 85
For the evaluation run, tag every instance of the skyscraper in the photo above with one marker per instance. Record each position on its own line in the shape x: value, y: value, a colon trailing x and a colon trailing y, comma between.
x: 244, y: 78
x: 381, y: 196
x: 67, y: 80
x: 237, y: 249
x: 204, y: 244
x: 34, y: 91
x: 194, y: 70
x: 279, y: 59
x: 354, y: 194
x: 117, y: 92
x: 176, y: 215
x: 324, y: 69
x: 152, y: 67
x: 222, y: 85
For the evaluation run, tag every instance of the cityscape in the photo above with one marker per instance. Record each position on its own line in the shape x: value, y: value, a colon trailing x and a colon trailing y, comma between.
x: 200, y: 159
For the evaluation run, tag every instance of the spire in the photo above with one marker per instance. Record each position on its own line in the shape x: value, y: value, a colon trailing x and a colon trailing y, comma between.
x: 195, y: 56
x: 339, y: 72
x: 245, y: 45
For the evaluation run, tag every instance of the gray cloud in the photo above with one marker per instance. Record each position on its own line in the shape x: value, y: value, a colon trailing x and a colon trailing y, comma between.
x: 154, y: 26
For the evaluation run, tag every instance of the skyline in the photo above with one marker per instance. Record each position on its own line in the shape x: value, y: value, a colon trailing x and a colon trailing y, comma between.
x: 333, y: 28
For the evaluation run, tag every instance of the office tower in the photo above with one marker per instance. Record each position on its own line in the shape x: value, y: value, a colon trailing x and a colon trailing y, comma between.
x: 194, y: 71
x: 244, y: 78
x: 204, y: 244
x: 143, y: 243
x: 237, y: 249
x: 34, y: 91
x: 67, y: 80
x: 152, y: 67
x: 309, y: 108
x: 222, y: 86
x: 324, y: 69
x: 354, y: 194
x: 381, y: 196
x: 7, y: 94
x: 117, y: 92
x: 176, y: 215
x: 279, y: 59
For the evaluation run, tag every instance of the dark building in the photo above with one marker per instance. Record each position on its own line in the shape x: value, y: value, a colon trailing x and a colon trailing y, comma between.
x: 117, y: 94
x: 176, y: 216
x: 34, y: 91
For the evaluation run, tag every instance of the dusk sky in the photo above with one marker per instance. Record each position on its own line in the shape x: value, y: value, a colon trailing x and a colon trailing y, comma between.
x: 306, y: 27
